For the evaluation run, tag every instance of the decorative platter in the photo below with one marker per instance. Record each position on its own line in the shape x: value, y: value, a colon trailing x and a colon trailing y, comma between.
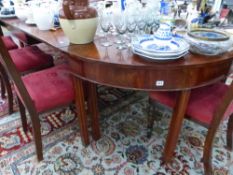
x: 152, y: 44
x: 150, y: 47
x: 160, y: 55
x: 159, y: 58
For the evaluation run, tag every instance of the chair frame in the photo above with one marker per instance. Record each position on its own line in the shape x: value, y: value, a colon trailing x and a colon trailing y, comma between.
x: 27, y: 101
x: 5, y: 82
x: 5, y: 85
x: 212, y: 127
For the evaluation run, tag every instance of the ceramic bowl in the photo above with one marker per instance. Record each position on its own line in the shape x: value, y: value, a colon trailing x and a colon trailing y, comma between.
x: 208, y: 42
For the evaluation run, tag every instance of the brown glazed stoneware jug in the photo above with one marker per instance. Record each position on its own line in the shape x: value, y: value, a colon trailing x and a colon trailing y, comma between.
x: 78, y: 21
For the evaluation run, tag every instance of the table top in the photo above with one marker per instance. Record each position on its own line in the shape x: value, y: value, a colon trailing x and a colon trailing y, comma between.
x: 95, y: 52
x: 110, y: 66
x: 54, y: 38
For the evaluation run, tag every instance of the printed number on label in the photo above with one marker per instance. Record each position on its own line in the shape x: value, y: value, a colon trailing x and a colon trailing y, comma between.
x: 159, y: 83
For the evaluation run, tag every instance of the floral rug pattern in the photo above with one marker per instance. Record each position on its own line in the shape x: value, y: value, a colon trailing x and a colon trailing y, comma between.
x: 123, y: 148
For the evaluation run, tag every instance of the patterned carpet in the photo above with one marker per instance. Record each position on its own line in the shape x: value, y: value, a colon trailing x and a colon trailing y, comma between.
x: 123, y: 149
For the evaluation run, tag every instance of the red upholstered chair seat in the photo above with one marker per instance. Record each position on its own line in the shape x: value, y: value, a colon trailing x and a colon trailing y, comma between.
x: 9, y: 43
x: 30, y: 58
x: 50, y: 88
x: 202, y: 103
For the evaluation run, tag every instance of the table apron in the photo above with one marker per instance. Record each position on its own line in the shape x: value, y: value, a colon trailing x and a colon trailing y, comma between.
x: 149, y: 79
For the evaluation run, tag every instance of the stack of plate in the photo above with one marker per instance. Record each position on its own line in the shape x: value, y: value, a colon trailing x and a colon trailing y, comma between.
x: 151, y: 47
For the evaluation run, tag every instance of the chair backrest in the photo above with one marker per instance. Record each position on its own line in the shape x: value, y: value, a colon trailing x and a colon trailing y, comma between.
x: 15, y: 75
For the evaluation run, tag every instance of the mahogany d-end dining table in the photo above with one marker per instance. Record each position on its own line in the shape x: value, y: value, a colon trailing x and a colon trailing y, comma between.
x: 95, y: 64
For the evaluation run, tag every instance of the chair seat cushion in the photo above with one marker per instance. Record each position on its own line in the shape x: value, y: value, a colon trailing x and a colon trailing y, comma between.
x: 30, y: 58
x: 50, y: 88
x: 9, y: 43
x: 202, y: 103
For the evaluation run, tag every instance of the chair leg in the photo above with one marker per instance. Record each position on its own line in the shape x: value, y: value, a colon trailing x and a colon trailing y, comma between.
x: 230, y: 133
x: 207, y: 155
x: 22, y: 115
x: 3, y: 89
x: 150, y: 119
x: 6, y: 81
x: 208, y: 146
x: 37, y: 135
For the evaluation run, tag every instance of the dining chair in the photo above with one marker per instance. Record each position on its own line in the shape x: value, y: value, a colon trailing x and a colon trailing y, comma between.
x: 38, y: 92
x: 27, y: 59
x: 207, y: 106
x: 10, y: 44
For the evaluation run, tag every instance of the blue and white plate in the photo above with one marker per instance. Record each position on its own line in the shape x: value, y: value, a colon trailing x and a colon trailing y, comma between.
x: 160, y: 55
x: 149, y: 43
x: 159, y: 58
x: 151, y: 47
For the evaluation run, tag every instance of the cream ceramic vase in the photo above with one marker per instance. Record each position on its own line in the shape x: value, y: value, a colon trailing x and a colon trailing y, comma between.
x: 78, y: 21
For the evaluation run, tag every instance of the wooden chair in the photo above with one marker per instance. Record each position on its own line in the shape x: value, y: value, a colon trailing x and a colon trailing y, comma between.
x: 38, y: 92
x: 26, y: 60
x: 10, y: 44
x: 207, y: 106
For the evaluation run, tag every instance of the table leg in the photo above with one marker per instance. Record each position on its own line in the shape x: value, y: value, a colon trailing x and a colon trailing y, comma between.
x: 80, y: 106
x: 176, y: 124
x: 93, y: 108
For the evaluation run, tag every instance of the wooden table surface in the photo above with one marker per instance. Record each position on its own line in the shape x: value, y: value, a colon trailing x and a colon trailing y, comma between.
x: 96, y: 64
x: 56, y: 38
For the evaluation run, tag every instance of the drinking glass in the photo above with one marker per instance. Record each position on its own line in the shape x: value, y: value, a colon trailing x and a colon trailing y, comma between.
x: 149, y: 15
x: 105, y: 23
x: 141, y: 21
x: 131, y: 26
x: 131, y: 23
x: 121, y: 27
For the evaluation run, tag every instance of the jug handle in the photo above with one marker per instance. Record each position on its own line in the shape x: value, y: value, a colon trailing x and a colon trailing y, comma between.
x: 66, y: 8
